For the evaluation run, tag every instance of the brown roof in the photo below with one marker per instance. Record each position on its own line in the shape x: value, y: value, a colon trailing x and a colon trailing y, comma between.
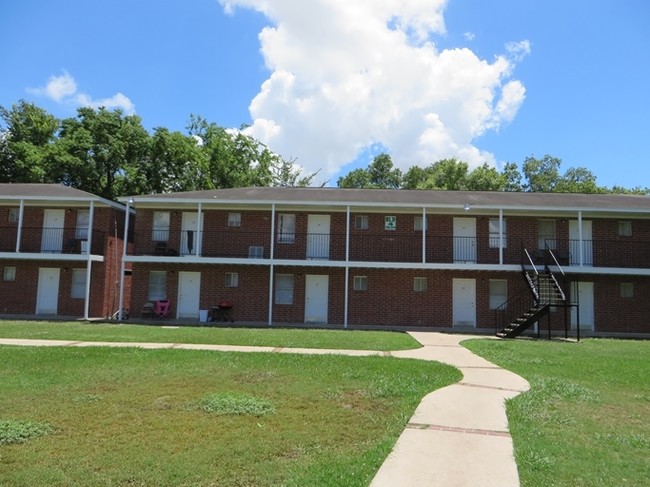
x: 429, y: 198
x: 50, y: 192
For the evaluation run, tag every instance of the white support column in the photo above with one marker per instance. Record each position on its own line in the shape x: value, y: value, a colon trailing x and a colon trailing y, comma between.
x: 346, y: 287
x: 500, y: 237
x: 424, y: 235
x: 271, y: 267
x: 199, y: 233
x: 89, y: 262
x: 122, y: 266
x: 19, y: 234
x: 580, y: 243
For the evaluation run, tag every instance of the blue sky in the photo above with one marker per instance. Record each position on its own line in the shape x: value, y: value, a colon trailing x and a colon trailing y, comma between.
x: 329, y: 83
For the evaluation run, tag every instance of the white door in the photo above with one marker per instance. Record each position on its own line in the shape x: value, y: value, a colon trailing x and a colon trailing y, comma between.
x: 574, y: 243
x: 189, y: 233
x: 47, y: 295
x: 464, y: 302
x: 582, y: 293
x: 464, y: 240
x: 316, y: 298
x: 318, y: 237
x: 52, y: 238
x: 189, y: 293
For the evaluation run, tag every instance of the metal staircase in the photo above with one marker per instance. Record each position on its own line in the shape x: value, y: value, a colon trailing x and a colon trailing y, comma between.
x: 525, y: 309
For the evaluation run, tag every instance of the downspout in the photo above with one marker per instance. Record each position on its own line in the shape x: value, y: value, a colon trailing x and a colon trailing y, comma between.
x: 501, y: 237
x: 271, y: 266
x: 347, y: 269
x: 124, y: 246
x: 89, y: 262
x: 19, y: 234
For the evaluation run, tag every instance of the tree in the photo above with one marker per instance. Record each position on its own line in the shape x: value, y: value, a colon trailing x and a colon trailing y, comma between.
x: 486, y: 178
x: 447, y: 174
x: 380, y: 174
x: 25, y: 143
x: 512, y: 177
x: 578, y: 180
x: 542, y: 175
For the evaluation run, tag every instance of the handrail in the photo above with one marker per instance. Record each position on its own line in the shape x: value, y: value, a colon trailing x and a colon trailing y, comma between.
x: 512, y: 308
x: 550, y: 252
x: 530, y: 259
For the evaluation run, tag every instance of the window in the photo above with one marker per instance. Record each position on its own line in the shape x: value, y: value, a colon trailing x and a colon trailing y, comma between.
x: 234, y: 219
x: 157, y: 285
x: 232, y: 279
x: 83, y: 219
x: 78, y: 287
x: 360, y: 283
x: 546, y: 234
x: 9, y: 274
x: 284, y: 289
x: 627, y: 290
x: 13, y: 215
x: 160, y: 231
x: 498, y: 292
x: 361, y: 222
x: 417, y: 224
x: 419, y: 284
x: 286, y: 228
x: 256, y: 252
x: 390, y: 223
x: 494, y: 233
x: 624, y: 229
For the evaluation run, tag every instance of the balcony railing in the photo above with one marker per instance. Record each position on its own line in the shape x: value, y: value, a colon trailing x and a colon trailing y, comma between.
x: 51, y: 240
x: 384, y: 247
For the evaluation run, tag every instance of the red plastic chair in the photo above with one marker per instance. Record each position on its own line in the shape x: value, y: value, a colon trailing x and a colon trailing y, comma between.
x: 162, y: 308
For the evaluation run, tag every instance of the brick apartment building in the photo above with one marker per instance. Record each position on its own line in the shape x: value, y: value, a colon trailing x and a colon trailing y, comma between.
x: 60, y: 252
x: 441, y: 259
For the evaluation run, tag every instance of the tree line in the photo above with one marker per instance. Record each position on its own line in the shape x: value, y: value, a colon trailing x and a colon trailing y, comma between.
x: 539, y: 175
x: 110, y: 154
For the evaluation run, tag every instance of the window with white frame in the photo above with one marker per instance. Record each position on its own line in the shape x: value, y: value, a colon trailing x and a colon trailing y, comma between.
x: 255, y: 251
x: 232, y: 279
x: 627, y: 290
x: 624, y: 229
x: 286, y: 228
x: 160, y: 231
x: 234, y: 219
x: 83, y: 219
x: 284, y: 289
x: 9, y: 274
x: 390, y: 223
x: 419, y: 284
x: 494, y: 233
x: 360, y: 283
x: 498, y: 292
x: 12, y: 217
x: 361, y: 222
x: 78, y: 286
x: 157, y: 285
x: 417, y: 223
x: 546, y: 234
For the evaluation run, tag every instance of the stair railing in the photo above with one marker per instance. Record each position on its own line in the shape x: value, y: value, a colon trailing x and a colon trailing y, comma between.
x: 513, y: 308
x: 533, y: 283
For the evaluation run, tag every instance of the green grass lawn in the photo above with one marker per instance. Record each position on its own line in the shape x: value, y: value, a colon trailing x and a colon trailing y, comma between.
x: 586, y: 420
x: 137, y: 417
x: 270, y: 337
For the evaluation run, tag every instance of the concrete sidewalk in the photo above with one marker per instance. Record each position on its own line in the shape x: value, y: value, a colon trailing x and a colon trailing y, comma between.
x: 458, y: 435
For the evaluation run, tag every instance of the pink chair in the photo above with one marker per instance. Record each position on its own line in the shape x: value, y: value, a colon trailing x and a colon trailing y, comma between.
x: 162, y: 308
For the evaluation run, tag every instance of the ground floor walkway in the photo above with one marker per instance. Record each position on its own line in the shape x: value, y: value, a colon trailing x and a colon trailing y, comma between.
x: 458, y: 435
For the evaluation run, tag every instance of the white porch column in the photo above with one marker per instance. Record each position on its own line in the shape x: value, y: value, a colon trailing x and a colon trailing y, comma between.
x: 424, y: 235
x: 346, y: 287
x: 199, y: 233
x: 19, y: 233
x: 580, y: 243
x: 89, y: 262
x: 500, y: 237
x: 271, y: 267
x: 122, y: 266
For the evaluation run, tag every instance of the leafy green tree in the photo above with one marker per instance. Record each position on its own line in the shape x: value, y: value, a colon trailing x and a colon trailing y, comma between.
x: 512, y: 177
x: 26, y: 140
x: 486, y: 178
x: 578, y: 180
x: 380, y: 174
x: 542, y: 175
x: 447, y: 174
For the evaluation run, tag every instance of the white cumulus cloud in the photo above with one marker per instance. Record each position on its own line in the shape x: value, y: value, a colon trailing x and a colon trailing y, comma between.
x: 346, y: 76
x: 63, y: 89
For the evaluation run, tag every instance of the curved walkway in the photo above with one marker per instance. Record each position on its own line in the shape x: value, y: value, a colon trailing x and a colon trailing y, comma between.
x: 458, y: 435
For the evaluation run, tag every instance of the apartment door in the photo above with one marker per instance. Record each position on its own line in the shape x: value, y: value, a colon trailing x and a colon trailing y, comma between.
x: 583, y: 294
x: 189, y: 233
x: 464, y: 302
x: 316, y: 298
x: 52, y: 237
x: 574, y: 243
x: 47, y: 294
x: 464, y: 240
x: 189, y: 293
x: 318, y: 237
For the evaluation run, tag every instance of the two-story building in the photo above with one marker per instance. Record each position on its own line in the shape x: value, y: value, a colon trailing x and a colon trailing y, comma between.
x: 443, y: 259
x: 60, y: 252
